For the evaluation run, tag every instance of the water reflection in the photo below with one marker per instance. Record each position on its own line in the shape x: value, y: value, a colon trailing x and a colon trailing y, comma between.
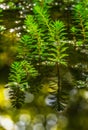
x: 50, y: 100
x: 38, y: 122
x: 28, y: 97
x: 4, y: 98
x: 25, y: 122
x: 51, y: 122
x: 6, y: 122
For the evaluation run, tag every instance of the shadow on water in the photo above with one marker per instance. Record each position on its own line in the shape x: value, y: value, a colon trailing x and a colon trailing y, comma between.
x: 4, y: 73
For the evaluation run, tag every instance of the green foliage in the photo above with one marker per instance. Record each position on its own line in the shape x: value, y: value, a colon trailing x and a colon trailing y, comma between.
x: 42, y: 44
x: 46, y: 36
x: 20, y: 72
x: 17, y: 72
x: 80, y: 20
x: 1, y: 1
x: 57, y: 36
x: 11, y: 5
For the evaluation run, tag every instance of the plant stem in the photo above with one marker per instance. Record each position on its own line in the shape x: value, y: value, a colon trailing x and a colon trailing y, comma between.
x: 59, y: 85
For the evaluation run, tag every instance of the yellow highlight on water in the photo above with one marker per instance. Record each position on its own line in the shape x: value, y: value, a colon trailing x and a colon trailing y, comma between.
x: 4, y: 101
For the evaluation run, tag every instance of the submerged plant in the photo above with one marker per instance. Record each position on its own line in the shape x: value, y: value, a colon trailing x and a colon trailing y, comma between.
x: 80, y: 21
x: 79, y: 33
x: 20, y: 72
x: 41, y: 45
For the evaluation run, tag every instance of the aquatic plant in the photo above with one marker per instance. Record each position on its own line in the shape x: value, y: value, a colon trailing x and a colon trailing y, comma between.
x: 80, y: 23
x: 41, y: 45
x: 20, y: 72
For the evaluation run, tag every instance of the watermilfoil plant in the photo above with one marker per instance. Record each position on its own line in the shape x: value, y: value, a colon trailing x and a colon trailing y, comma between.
x: 41, y: 47
x: 80, y: 21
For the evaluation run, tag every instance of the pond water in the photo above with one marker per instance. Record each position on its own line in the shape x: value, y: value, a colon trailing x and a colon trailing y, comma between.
x: 38, y: 112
